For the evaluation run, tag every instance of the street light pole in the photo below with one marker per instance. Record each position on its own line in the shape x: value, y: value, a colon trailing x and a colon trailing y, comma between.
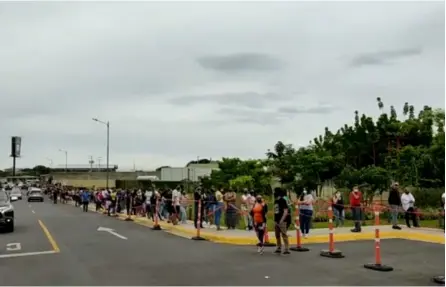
x: 107, y: 124
x: 66, y: 159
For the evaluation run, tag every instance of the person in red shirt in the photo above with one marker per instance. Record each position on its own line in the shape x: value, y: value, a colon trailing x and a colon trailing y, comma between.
x: 355, y: 205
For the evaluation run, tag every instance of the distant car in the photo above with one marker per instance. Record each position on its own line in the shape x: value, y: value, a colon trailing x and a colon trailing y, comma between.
x: 16, y: 192
x: 35, y: 195
x: 6, y: 212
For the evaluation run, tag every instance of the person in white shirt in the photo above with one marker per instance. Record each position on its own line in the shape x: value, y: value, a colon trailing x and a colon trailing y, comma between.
x: 176, y: 201
x: 246, y: 199
x: 408, y: 201
x: 148, y: 195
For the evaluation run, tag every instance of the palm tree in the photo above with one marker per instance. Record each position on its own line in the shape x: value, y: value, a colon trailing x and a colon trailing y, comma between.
x: 380, y: 104
x: 406, y: 109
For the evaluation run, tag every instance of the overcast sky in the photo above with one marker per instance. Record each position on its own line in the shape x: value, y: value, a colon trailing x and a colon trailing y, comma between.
x: 181, y: 80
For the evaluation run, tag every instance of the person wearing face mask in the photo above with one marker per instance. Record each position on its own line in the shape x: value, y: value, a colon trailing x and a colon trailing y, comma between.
x: 355, y: 205
x: 338, y: 209
x: 408, y: 201
x: 282, y: 220
x: 258, y: 215
x: 306, y: 212
x: 394, y: 203
x: 245, y: 206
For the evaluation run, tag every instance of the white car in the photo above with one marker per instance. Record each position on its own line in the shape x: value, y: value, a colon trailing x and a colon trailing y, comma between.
x: 16, y: 192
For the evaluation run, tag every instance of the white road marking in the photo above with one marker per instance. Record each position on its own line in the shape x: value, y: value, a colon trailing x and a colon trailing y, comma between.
x: 27, y: 254
x: 13, y: 246
x: 111, y: 231
x: 33, y: 211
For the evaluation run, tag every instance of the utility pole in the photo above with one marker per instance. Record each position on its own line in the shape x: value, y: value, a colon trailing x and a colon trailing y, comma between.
x: 91, y: 162
x: 99, y: 163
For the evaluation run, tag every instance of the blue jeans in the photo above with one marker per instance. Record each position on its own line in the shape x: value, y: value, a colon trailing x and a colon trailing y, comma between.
x: 218, y: 211
x: 394, y: 214
x: 183, y: 215
x: 305, y: 220
x: 338, y: 217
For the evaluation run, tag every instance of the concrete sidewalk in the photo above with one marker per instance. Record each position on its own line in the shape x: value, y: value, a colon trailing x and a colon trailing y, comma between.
x: 319, y: 235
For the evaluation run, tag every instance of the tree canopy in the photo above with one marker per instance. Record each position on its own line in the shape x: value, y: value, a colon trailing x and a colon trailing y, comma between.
x: 409, y: 149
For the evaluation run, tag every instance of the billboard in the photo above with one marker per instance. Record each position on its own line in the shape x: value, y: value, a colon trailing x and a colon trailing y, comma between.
x: 16, y: 144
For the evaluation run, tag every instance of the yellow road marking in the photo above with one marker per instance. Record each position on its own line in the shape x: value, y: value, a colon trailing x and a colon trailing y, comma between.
x: 50, y: 237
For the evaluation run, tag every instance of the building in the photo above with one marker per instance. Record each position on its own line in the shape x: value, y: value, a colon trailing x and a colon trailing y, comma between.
x: 83, y: 168
x: 192, y: 172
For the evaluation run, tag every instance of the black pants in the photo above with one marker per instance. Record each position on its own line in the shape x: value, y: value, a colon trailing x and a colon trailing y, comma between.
x: 410, y: 215
x: 356, y: 212
x: 85, y: 206
x: 98, y: 205
x: 196, y: 215
x: 127, y: 207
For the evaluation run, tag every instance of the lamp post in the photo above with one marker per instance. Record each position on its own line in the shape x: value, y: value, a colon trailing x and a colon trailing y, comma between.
x: 66, y: 158
x: 107, y: 124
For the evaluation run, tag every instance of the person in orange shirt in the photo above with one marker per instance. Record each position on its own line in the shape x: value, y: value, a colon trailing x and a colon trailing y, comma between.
x: 258, y: 215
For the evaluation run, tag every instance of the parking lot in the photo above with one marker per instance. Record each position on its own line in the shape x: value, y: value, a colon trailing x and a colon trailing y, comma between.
x: 30, y: 238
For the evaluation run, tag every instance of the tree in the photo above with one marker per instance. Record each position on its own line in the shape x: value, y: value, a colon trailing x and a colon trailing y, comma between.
x: 41, y: 170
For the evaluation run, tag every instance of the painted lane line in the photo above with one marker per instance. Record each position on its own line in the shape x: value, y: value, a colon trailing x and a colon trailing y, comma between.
x: 50, y: 237
x: 33, y: 211
x: 27, y: 254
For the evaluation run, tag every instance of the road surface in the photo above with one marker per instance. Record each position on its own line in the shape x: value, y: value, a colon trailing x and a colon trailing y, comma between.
x: 61, y: 245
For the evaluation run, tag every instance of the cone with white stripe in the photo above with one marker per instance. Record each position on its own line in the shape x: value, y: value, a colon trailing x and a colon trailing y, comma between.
x: 377, y: 266
x: 298, y: 247
x: 331, y: 252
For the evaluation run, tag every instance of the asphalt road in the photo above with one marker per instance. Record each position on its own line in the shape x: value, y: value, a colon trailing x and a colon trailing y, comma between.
x: 146, y: 257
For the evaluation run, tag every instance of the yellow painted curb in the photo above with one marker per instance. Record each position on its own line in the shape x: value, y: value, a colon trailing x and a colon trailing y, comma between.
x: 343, y: 237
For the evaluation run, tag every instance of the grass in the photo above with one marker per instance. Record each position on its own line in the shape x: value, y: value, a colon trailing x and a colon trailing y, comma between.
x: 347, y: 223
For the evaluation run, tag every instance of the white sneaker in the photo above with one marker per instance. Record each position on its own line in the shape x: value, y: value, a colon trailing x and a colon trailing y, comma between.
x: 305, y: 236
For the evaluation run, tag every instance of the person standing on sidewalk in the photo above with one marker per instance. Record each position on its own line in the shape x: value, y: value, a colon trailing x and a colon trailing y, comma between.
x: 306, y: 212
x: 85, y: 197
x: 408, y: 201
x: 219, y: 206
x: 338, y: 209
x: 394, y: 203
x: 246, y: 208
x: 355, y: 204
x: 282, y: 219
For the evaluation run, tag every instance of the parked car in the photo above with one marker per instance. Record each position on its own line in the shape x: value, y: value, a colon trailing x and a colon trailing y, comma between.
x: 6, y: 212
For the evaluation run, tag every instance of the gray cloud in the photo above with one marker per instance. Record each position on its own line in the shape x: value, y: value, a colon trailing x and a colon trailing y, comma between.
x: 246, y: 99
x: 260, y: 117
x: 240, y: 62
x: 383, y: 57
x: 162, y: 84
x: 306, y: 110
